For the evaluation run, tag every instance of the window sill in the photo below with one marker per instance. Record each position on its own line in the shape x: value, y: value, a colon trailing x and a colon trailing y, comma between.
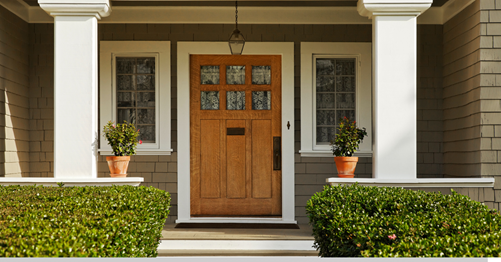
x: 318, y: 153
x: 147, y: 152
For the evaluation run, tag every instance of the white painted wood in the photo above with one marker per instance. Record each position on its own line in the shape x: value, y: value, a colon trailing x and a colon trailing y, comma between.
x: 360, y: 51
x: 224, y: 15
x: 286, y: 50
x: 68, y: 181
x: 236, y: 245
x: 418, y: 182
x: 75, y: 96
x: 161, y: 51
x: 394, y: 93
x: 97, y: 8
x: 236, y: 220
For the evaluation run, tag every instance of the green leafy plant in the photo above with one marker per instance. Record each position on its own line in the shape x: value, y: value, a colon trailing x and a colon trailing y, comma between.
x: 348, y: 138
x: 362, y: 221
x: 116, y: 221
x: 122, y: 138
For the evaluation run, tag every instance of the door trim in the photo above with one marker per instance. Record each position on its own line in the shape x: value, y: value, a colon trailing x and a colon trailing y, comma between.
x: 184, y: 50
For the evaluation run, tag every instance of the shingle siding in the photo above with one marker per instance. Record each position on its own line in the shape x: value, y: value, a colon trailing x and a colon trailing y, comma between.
x: 14, y: 99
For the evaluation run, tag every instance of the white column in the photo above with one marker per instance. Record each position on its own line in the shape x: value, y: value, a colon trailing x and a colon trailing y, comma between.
x: 395, y: 76
x: 75, y: 85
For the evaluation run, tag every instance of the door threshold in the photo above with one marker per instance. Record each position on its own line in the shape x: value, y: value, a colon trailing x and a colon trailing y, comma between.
x: 235, y: 220
x: 237, y: 225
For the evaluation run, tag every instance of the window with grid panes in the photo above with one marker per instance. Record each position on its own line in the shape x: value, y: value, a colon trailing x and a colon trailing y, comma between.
x: 335, y: 88
x: 135, y: 87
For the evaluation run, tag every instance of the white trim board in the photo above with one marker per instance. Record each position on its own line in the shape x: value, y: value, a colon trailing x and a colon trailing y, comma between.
x: 292, y: 245
x: 418, y: 182
x: 184, y: 50
x: 247, y: 15
x: 50, y: 181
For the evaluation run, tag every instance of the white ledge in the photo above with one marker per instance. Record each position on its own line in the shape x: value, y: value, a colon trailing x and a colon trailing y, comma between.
x: 418, y: 182
x: 51, y: 181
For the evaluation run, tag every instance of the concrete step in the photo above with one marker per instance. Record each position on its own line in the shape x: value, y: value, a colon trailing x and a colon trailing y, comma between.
x: 236, y: 248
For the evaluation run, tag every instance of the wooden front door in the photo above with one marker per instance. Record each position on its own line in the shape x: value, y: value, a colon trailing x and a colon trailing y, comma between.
x: 235, y: 144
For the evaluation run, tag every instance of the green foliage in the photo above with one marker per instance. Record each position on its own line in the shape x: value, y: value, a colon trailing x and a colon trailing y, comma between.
x: 122, y: 138
x: 118, y: 221
x: 348, y: 138
x: 359, y: 221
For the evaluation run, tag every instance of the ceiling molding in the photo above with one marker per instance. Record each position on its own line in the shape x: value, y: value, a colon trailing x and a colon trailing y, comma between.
x: 225, y: 14
x: 453, y: 7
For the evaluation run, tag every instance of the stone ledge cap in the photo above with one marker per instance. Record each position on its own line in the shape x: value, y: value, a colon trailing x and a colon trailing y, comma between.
x: 370, y: 8
x: 98, y: 8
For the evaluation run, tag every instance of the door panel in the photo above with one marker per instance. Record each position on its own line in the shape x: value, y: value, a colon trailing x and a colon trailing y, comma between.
x: 262, y: 164
x: 235, y: 161
x: 234, y: 116
x: 210, y: 159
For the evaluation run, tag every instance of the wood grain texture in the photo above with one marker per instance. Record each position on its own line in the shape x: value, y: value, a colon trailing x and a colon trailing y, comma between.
x: 235, y: 161
x: 241, y: 181
x: 210, y: 160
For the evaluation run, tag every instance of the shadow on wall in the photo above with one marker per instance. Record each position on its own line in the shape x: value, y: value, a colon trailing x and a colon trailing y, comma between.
x: 14, y: 135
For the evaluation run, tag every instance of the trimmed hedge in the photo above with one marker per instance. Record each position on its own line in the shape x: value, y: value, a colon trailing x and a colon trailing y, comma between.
x: 360, y: 221
x: 117, y: 221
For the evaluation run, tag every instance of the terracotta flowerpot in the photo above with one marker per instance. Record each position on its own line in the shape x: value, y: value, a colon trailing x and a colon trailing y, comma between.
x: 118, y: 165
x: 346, y: 166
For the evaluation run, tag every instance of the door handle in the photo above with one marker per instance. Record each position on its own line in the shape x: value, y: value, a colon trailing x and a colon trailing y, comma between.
x: 277, y: 153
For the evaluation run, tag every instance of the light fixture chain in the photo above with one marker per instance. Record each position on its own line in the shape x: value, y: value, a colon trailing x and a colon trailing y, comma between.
x: 236, y: 14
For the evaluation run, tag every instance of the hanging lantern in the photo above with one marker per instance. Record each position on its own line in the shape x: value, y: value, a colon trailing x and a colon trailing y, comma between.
x: 237, y: 40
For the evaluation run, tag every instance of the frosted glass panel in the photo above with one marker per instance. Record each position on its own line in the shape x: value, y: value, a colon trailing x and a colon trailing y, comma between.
x: 325, y: 83
x: 326, y: 117
x: 146, y: 116
x: 146, y: 99
x: 326, y: 134
x: 125, y: 82
x: 209, y: 75
x: 345, y: 67
x: 345, y: 84
x: 209, y: 100
x: 125, y: 65
x: 235, y: 75
x: 261, y: 100
x: 325, y: 100
x: 346, y: 113
x: 128, y: 115
x: 345, y: 101
x: 125, y: 99
x: 145, y: 82
x: 235, y: 100
x: 145, y: 65
x: 261, y: 75
x: 146, y: 133
x: 335, y: 94
x: 135, y: 94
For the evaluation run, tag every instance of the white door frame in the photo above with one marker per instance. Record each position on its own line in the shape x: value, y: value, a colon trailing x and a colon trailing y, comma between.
x: 184, y: 50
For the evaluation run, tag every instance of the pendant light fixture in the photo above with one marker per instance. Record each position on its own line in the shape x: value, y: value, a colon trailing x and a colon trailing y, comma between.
x: 237, y: 40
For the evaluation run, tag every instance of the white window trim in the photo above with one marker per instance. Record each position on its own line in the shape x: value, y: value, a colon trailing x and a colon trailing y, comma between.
x: 109, y: 50
x: 286, y: 50
x: 310, y: 51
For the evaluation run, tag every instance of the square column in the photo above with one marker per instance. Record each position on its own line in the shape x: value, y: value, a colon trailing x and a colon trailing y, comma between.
x: 75, y: 86
x: 395, y: 80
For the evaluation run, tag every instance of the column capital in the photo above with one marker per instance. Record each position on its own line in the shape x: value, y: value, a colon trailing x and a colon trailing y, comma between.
x: 370, y: 8
x: 97, y: 8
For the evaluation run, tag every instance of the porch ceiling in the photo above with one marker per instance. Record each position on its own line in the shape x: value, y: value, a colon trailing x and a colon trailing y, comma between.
x: 232, y: 2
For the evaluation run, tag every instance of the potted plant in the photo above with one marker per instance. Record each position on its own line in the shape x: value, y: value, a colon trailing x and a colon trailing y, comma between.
x: 123, y: 140
x: 345, y: 145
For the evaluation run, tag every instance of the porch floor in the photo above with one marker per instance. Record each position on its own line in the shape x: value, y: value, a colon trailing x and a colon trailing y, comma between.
x: 236, y: 242
x: 170, y: 233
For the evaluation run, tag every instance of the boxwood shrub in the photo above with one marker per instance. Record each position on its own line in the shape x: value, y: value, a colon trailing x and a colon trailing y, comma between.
x: 360, y: 221
x: 117, y: 221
